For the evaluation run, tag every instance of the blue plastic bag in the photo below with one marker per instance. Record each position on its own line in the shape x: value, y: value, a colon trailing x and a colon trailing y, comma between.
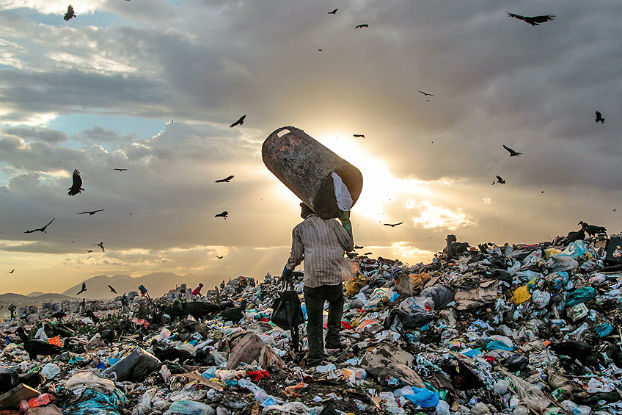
x: 603, y: 329
x: 94, y: 402
x: 423, y: 397
x: 580, y: 295
x: 498, y: 345
x: 574, y: 250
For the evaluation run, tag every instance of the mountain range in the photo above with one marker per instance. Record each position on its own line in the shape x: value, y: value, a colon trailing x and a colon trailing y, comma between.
x: 158, y: 284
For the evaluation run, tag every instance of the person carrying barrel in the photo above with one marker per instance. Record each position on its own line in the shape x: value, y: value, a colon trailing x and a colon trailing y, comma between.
x: 322, y: 244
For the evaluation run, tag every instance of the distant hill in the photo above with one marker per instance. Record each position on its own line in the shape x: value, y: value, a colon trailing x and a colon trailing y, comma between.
x: 157, y: 283
x: 36, y: 294
x: 21, y: 300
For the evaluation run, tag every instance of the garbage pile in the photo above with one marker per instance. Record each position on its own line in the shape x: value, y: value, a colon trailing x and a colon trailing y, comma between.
x: 512, y: 329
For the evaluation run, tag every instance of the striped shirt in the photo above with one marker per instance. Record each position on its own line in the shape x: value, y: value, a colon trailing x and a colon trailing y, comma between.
x: 321, y: 243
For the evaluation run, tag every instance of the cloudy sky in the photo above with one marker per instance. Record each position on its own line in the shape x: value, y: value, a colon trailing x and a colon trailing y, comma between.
x: 99, y: 92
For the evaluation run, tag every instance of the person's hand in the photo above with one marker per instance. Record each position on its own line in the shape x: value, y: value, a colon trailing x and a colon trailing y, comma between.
x: 287, y: 273
x: 344, y: 215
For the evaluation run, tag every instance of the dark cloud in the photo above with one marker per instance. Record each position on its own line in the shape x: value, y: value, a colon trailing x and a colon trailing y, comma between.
x: 495, y: 81
x: 43, y: 134
x: 99, y: 134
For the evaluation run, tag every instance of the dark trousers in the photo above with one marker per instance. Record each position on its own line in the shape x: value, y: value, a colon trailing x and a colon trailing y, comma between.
x: 314, y: 301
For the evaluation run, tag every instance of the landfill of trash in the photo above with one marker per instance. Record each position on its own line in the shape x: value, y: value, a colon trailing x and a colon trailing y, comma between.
x: 512, y: 329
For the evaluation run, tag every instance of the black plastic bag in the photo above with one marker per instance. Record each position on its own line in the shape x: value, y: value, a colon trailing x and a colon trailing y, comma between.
x: 286, y: 312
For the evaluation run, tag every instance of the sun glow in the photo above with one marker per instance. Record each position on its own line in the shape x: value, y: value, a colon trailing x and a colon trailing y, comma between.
x: 380, y: 186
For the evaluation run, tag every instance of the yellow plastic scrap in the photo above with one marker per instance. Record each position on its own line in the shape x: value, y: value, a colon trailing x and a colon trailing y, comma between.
x: 353, y: 285
x: 521, y: 294
x: 548, y: 252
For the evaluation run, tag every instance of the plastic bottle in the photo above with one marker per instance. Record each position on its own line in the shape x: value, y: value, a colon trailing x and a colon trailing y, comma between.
x: 41, y: 400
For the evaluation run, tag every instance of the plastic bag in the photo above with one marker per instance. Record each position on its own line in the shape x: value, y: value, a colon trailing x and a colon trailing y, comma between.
x: 419, y: 396
x: 378, y: 297
x: 342, y: 194
x: 540, y: 298
x: 521, y: 294
x: 580, y: 295
x: 574, y: 250
x: 189, y: 408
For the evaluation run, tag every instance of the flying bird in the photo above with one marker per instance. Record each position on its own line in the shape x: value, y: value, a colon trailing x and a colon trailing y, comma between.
x: 333, y: 11
x: 219, y: 257
x: 112, y: 289
x: 359, y: 135
x: 89, y: 251
x: 393, y: 225
x: 533, y: 20
x: 12, y: 271
x: 70, y: 14
x: 358, y: 247
x: 359, y: 26
x: 367, y: 253
x: 42, y: 229
x: 240, y: 121
x: 599, y: 117
x: 101, y: 245
x: 222, y: 215
x: 76, y: 186
x: 426, y: 94
x: 119, y: 169
x: 499, y: 180
x: 512, y: 152
x: 90, y: 212
x: 83, y: 289
x: 225, y: 180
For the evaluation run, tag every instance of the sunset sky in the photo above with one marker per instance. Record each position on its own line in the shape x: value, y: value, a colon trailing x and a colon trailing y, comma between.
x: 99, y: 92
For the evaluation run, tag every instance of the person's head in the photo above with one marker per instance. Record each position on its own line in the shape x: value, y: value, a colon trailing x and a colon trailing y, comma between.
x: 305, y: 211
x: 200, y: 284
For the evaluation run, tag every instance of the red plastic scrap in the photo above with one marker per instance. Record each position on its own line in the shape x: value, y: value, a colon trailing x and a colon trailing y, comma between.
x: 256, y: 375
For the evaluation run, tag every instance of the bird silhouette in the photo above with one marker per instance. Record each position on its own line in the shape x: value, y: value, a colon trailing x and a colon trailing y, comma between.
x: 101, y: 245
x: 90, y: 212
x: 367, y: 253
x: 533, y: 20
x: 592, y: 229
x: 359, y: 26
x: 240, y: 121
x: 112, y: 289
x: 42, y: 229
x: 119, y: 169
x: 12, y: 271
x: 225, y: 180
x: 219, y: 257
x: 599, y: 117
x: 425, y: 94
x: 333, y: 11
x: 358, y: 247
x: 89, y: 251
x: 222, y: 215
x: 512, y: 152
x: 499, y: 180
x: 70, y: 13
x: 393, y: 225
x: 76, y: 186
x: 359, y: 135
x: 83, y: 289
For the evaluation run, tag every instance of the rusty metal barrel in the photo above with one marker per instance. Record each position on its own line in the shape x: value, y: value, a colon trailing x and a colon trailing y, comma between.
x: 305, y: 166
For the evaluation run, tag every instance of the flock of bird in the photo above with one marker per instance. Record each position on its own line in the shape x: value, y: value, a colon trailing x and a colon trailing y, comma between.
x: 77, y: 188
